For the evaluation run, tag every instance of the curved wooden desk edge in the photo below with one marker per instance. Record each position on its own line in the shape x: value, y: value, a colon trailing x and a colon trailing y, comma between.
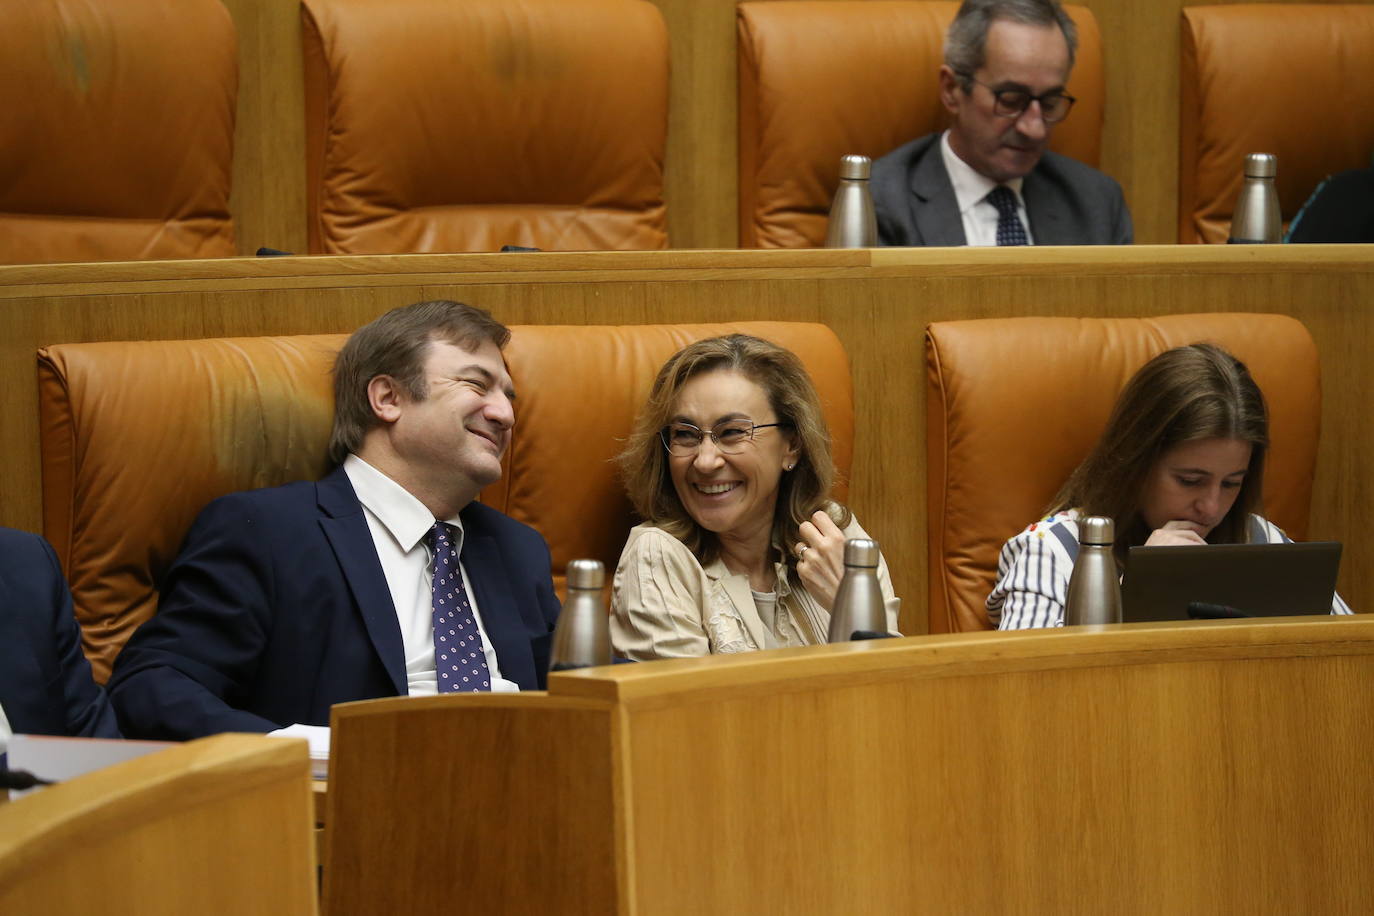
x: 54, y: 821
x: 25, y: 280
x: 947, y: 655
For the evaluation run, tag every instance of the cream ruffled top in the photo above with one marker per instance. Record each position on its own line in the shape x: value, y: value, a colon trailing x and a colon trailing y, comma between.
x: 665, y: 604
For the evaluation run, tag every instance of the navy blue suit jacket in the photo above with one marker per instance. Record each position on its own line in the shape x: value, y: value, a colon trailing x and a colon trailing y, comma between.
x: 1067, y: 202
x: 277, y: 608
x: 45, y: 682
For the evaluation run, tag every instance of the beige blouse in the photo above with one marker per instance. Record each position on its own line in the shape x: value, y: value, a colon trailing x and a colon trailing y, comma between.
x: 665, y: 604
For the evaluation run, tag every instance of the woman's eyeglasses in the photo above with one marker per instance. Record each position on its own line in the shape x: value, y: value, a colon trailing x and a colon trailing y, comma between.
x: 729, y: 436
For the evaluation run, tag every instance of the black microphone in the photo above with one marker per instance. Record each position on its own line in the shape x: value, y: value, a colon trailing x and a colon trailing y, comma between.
x: 1202, y: 610
x: 21, y: 779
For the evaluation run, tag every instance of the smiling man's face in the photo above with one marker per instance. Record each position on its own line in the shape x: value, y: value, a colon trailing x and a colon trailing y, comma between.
x: 1030, y: 58
x: 455, y: 437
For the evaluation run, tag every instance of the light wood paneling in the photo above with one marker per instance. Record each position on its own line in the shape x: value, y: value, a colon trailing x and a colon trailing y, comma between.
x: 267, y: 197
x: 877, y: 301
x: 221, y: 825
x: 1079, y: 776
x: 421, y: 792
x: 701, y: 180
x: 1207, y: 767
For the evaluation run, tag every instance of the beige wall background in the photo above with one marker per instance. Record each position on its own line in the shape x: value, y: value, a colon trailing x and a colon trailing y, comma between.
x: 877, y: 301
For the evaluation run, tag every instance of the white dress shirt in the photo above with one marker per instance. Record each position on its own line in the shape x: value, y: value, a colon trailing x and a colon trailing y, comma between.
x: 399, y: 524
x: 971, y: 190
x: 5, y: 731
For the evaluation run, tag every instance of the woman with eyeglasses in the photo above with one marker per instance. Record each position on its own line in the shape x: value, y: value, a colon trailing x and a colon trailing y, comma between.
x: 741, y: 549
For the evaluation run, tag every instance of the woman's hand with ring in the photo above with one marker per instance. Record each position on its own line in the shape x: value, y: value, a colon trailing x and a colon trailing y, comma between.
x: 820, y: 557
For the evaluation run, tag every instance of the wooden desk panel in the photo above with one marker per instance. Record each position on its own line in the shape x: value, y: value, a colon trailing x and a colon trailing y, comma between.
x: 878, y: 302
x: 1156, y: 768
x: 1149, y: 768
x: 219, y: 825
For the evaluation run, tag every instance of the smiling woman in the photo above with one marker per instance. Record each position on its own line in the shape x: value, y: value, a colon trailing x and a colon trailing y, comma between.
x: 1180, y: 462
x: 729, y: 465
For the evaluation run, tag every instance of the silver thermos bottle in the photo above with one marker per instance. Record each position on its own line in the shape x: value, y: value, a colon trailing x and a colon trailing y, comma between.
x: 1257, y: 218
x: 852, y: 223
x: 1094, y: 587
x: 859, y: 604
x: 582, y: 638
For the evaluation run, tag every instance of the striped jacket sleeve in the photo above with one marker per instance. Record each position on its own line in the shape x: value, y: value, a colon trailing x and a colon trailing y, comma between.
x: 1033, y: 574
x: 1263, y: 531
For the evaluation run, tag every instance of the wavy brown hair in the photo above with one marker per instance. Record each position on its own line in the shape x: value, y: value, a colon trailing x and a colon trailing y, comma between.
x: 1195, y: 392
x: 396, y: 344
x: 778, y: 371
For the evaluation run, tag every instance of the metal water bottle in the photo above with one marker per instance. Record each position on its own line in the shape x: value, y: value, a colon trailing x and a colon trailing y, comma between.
x: 852, y: 222
x: 582, y: 638
x: 1094, y: 587
x: 859, y: 604
x: 1257, y: 219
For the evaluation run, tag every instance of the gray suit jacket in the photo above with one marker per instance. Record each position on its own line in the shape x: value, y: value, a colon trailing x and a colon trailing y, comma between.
x: 1068, y: 202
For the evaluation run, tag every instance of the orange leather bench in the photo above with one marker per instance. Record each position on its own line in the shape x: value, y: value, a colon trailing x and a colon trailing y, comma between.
x: 1014, y: 404
x: 819, y: 79
x: 137, y: 437
x: 435, y: 125
x: 1295, y: 80
x: 117, y: 136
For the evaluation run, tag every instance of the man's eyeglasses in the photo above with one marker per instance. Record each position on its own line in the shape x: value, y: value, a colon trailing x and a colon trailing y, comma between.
x: 682, y: 440
x: 1012, y: 103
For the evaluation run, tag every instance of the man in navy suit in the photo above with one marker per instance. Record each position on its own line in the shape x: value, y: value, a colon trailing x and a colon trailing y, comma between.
x: 45, y: 681
x: 288, y: 600
x: 989, y: 179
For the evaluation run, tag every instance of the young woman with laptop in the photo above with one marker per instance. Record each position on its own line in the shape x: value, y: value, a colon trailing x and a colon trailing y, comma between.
x: 1180, y: 463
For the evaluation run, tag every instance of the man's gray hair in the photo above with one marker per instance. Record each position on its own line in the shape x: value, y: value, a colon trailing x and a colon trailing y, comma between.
x: 966, y: 41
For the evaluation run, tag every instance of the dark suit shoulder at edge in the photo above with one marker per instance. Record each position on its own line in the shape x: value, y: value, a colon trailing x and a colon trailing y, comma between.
x: 1075, y: 171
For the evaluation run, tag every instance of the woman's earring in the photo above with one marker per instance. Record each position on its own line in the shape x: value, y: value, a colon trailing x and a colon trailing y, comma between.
x: 788, y: 467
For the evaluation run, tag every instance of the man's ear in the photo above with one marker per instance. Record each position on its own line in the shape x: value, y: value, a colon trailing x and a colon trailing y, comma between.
x: 385, y: 397
x: 951, y: 91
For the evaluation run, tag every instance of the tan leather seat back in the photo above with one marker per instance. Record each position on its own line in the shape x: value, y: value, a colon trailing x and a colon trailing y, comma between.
x: 464, y: 126
x: 819, y: 79
x: 1014, y: 404
x: 137, y: 437
x: 1295, y: 80
x: 116, y: 130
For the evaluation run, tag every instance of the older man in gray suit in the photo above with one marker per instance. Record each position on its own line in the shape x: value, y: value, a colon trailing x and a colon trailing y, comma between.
x: 989, y: 179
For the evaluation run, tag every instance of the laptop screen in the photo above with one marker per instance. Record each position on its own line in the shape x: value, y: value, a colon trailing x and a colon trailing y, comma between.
x: 1256, y: 580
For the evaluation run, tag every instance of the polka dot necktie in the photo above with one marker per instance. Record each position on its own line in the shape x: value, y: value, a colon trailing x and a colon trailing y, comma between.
x: 459, y: 662
x: 1009, y: 228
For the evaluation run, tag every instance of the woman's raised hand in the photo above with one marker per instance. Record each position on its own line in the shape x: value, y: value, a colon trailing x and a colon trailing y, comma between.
x: 1176, y: 533
x: 820, y: 557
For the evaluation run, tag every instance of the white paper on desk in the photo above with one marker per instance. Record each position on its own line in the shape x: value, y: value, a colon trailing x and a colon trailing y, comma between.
x: 317, y: 736
x: 57, y: 759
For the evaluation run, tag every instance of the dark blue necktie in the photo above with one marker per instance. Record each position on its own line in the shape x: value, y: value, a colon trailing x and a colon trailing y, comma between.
x: 459, y: 662
x: 1009, y: 228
